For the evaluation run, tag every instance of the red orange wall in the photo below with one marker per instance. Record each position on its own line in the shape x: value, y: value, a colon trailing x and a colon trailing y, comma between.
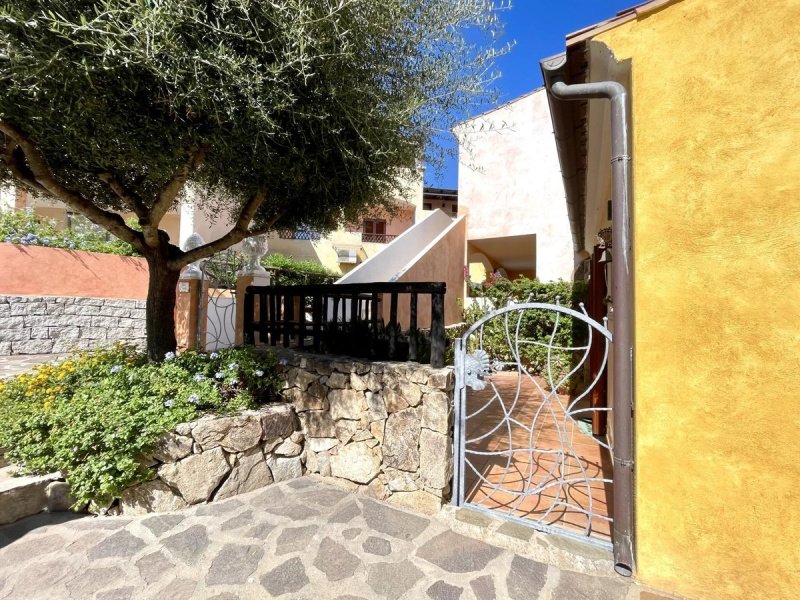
x: 37, y: 271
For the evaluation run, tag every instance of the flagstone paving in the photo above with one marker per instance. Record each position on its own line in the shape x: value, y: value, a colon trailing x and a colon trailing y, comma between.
x: 19, y: 363
x: 301, y: 539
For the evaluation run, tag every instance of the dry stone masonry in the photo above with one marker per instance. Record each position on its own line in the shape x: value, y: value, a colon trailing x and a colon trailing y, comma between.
x: 379, y: 428
x: 382, y: 428
x: 215, y: 458
x: 50, y: 324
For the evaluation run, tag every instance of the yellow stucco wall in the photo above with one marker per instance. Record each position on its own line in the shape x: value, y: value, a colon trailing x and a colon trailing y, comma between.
x: 716, y: 91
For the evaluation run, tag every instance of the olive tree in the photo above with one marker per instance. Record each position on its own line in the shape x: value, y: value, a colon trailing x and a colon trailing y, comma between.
x: 285, y: 112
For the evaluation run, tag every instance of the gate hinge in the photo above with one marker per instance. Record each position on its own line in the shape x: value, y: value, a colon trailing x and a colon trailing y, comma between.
x: 623, y: 463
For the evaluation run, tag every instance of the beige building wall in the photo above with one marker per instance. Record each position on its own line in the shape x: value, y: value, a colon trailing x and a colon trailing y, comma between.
x: 509, y: 182
x: 190, y: 218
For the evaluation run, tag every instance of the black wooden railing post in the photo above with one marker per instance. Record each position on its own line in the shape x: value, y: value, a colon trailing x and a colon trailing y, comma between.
x: 354, y: 311
x: 301, y: 322
x: 412, y: 328
x: 316, y: 316
x: 249, y: 335
x: 274, y: 304
x: 288, y: 315
x: 262, y: 317
x: 437, y: 331
x: 393, y: 327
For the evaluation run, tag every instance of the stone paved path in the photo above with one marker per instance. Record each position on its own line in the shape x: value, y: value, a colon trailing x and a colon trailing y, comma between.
x: 298, y: 539
x: 19, y: 363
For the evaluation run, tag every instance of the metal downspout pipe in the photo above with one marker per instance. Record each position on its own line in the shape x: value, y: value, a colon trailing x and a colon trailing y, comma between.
x: 622, y: 297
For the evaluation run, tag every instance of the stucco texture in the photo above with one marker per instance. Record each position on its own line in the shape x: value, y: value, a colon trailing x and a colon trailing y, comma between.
x: 717, y: 266
x: 442, y: 260
x: 509, y: 184
x: 37, y: 271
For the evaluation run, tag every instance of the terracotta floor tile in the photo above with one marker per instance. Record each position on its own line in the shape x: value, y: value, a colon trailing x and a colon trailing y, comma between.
x: 505, y: 480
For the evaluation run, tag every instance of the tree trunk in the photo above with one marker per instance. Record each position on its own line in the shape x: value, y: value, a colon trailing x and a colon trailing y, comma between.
x: 160, y: 316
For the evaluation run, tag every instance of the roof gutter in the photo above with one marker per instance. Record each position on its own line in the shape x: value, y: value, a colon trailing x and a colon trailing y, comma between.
x: 554, y: 71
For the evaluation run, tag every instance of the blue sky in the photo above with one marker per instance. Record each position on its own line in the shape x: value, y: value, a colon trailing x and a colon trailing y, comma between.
x: 538, y: 27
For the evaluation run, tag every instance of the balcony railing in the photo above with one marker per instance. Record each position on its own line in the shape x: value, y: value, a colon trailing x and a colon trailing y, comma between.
x: 377, y: 238
x: 347, y: 319
x: 300, y: 234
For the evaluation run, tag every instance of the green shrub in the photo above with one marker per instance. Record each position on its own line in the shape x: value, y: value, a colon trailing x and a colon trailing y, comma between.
x: 291, y: 271
x: 28, y: 229
x: 534, y: 325
x: 95, y: 415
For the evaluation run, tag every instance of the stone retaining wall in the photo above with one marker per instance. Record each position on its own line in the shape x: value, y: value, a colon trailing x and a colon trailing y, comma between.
x: 378, y: 428
x: 382, y: 428
x: 215, y: 458
x: 48, y: 324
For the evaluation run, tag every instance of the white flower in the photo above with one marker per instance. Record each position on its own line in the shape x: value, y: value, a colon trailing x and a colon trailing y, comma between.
x: 199, y: 377
x: 203, y: 355
x: 219, y: 375
x: 284, y: 361
x: 169, y: 403
x: 116, y: 368
x: 233, y: 381
x: 194, y: 399
x: 259, y: 373
x: 214, y: 356
x: 169, y: 356
x: 233, y: 366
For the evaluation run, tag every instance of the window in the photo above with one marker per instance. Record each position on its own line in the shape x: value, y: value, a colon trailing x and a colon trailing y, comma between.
x: 374, y: 231
x: 376, y: 226
x: 427, y: 206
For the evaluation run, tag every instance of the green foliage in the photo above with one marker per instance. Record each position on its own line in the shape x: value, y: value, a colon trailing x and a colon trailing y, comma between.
x: 95, y: 415
x: 535, y: 325
x: 28, y: 229
x: 320, y: 105
x: 284, y: 114
x: 287, y: 270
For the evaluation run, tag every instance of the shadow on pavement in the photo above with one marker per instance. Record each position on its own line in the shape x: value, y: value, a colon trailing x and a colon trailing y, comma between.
x: 16, y: 531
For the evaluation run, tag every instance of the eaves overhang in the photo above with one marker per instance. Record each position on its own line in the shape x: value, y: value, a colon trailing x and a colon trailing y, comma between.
x: 570, y: 131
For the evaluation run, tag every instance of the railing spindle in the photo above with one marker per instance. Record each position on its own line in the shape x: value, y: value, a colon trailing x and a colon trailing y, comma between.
x: 273, y: 318
x: 288, y: 315
x: 393, y: 327
x: 412, y: 328
x: 437, y: 331
x: 316, y: 316
x: 249, y: 298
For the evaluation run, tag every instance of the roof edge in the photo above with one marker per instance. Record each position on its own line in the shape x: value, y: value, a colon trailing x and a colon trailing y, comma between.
x: 623, y: 16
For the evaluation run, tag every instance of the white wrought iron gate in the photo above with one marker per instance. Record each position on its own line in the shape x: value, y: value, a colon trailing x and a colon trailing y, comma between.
x: 524, y: 443
x: 217, y: 307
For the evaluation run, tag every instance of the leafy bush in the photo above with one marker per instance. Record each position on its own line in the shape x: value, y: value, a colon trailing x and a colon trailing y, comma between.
x: 28, y: 229
x: 287, y: 270
x: 534, y: 325
x: 95, y: 415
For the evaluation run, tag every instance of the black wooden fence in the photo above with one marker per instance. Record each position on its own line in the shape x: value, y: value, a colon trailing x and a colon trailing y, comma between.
x: 347, y: 319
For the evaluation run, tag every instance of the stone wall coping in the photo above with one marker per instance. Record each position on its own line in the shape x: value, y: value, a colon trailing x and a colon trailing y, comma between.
x: 342, y: 363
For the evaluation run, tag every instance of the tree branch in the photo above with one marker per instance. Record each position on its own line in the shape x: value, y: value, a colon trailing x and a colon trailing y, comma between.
x: 173, y: 187
x: 131, y: 200
x: 240, y: 231
x: 46, y: 180
x: 17, y: 168
x: 137, y: 206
